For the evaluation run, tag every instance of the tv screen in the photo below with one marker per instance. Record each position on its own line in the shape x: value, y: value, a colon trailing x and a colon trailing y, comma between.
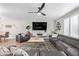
x: 39, y: 25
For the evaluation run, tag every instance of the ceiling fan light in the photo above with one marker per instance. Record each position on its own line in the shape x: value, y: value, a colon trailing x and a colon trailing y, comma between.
x: 39, y: 13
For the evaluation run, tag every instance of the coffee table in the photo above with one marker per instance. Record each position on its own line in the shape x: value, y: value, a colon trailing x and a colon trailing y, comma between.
x: 36, y: 39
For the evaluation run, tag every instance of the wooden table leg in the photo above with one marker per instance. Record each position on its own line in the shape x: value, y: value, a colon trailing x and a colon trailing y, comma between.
x: 0, y: 39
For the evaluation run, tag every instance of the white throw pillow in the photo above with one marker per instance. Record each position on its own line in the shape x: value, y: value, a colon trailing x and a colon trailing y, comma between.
x: 18, y: 52
x: 54, y: 35
x: 4, y: 51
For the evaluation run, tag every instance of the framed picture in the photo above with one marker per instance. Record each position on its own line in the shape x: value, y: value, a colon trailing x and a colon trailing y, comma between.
x: 8, y: 26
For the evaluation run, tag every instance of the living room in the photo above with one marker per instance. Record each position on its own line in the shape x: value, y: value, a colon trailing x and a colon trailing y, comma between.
x: 35, y: 27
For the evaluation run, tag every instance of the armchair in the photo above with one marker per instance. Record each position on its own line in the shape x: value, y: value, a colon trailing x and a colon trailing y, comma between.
x: 20, y: 38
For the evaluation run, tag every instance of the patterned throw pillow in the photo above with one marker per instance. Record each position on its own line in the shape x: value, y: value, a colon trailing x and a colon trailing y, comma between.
x: 18, y: 52
x: 4, y: 51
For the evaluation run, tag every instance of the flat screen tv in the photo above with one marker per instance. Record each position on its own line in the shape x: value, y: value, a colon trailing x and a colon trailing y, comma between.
x: 39, y: 25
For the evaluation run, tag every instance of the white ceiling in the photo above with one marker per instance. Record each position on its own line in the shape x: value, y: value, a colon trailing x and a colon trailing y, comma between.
x: 20, y: 10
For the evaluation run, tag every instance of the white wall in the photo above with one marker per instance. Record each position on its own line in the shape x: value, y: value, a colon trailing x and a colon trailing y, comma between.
x: 19, y: 25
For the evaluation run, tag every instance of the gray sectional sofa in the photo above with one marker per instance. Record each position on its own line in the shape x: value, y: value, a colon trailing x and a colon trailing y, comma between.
x: 23, y: 51
x: 44, y: 52
x: 67, y: 44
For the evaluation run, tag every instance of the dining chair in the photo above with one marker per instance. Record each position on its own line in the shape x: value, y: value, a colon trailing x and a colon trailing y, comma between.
x: 6, y: 35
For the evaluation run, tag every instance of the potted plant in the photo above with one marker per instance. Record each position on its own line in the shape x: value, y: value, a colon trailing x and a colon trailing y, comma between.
x: 28, y: 27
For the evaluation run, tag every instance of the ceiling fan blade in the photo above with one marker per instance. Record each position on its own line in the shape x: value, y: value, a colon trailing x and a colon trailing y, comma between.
x: 43, y: 14
x: 32, y: 12
x: 42, y: 6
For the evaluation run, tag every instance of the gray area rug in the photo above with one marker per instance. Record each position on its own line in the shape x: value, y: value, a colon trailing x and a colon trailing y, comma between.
x: 45, y: 45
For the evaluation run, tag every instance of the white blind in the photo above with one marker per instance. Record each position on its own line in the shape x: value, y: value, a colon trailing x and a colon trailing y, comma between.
x: 71, y: 26
x: 66, y: 26
x: 74, y: 26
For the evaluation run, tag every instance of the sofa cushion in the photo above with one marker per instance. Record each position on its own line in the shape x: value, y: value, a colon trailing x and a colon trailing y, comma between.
x: 60, y: 45
x: 69, y: 40
x: 50, y: 53
x: 73, y: 51
x: 55, y: 35
x: 72, y: 41
x: 66, y: 45
x: 60, y: 37
x: 33, y: 52
x: 10, y: 46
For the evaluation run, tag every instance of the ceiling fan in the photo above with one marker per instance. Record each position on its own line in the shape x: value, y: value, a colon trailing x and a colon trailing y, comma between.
x: 40, y: 9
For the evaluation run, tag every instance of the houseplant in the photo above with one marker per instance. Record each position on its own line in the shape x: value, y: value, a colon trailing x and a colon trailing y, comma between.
x: 28, y: 27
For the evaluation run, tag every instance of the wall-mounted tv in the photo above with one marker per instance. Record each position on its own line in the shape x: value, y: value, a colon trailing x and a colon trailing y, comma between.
x: 39, y: 25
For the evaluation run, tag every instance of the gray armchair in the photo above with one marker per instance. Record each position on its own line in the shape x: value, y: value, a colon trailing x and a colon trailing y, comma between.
x: 20, y: 38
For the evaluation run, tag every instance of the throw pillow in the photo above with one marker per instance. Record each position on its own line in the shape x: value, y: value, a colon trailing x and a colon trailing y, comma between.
x: 18, y: 52
x: 4, y: 51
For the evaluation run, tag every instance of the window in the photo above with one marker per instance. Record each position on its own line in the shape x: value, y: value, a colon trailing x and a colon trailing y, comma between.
x: 74, y: 26
x: 71, y: 26
x: 66, y: 26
